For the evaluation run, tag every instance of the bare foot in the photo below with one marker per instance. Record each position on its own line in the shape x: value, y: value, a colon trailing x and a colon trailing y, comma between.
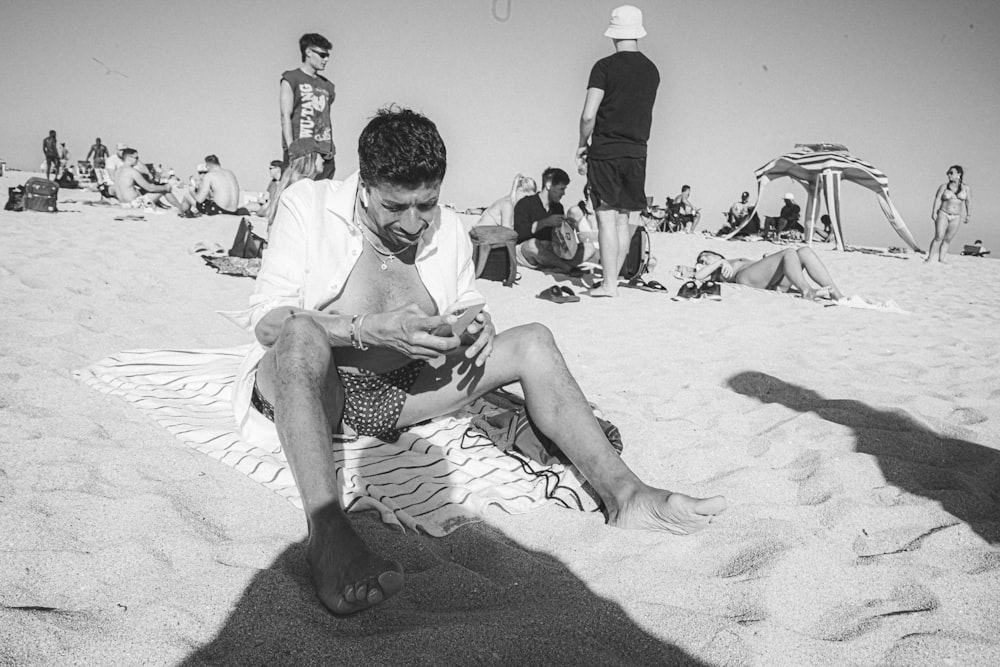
x: 656, y: 509
x: 347, y: 575
x: 602, y: 291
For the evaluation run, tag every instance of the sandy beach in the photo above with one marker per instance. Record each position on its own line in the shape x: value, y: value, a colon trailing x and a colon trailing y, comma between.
x: 859, y: 450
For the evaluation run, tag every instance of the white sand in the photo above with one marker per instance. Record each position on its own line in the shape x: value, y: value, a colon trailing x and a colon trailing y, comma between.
x: 859, y: 451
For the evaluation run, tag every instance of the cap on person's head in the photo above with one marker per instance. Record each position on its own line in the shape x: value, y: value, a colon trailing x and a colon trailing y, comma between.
x: 120, y: 146
x: 745, y: 194
x: 626, y: 23
x: 306, y: 146
x: 278, y: 163
x: 789, y: 195
x: 202, y: 168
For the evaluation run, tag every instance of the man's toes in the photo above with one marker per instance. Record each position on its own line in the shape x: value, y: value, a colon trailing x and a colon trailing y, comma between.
x: 391, y: 582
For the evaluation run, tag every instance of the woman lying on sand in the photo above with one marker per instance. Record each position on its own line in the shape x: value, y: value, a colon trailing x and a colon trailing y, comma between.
x: 779, y: 271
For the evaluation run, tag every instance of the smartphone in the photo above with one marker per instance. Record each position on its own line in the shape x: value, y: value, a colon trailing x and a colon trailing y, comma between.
x: 466, y: 312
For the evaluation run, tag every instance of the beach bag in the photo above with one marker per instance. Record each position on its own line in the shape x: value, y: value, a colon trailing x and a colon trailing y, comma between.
x: 637, y: 261
x: 247, y: 244
x: 15, y: 199
x: 494, y: 253
x: 40, y: 195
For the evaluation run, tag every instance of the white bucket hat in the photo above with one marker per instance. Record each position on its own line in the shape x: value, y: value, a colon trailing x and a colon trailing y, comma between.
x: 626, y: 23
x: 789, y: 195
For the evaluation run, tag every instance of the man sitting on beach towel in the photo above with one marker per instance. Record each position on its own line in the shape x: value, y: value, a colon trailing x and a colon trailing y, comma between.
x: 133, y: 190
x: 348, y: 313
x: 219, y: 191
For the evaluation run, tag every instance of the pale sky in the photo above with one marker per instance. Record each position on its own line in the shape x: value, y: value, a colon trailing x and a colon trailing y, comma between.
x: 909, y: 86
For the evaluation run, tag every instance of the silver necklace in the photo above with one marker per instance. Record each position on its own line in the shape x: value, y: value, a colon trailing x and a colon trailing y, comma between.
x: 384, y: 255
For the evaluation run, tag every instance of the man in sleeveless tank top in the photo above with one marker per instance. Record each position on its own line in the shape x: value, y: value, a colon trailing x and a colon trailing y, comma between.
x: 306, y: 97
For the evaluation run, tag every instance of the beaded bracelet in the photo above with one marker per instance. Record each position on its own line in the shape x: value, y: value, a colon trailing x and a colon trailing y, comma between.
x: 356, y: 343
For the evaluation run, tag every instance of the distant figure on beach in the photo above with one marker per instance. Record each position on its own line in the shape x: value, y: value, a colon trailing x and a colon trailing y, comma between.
x: 134, y: 191
x: 50, y: 148
x: 306, y: 159
x: 788, y: 218
x: 614, y: 130
x: 306, y: 98
x: 501, y: 212
x: 826, y: 234
x: 951, y: 207
x: 347, y: 312
x: 274, y: 170
x: 218, y: 192
x: 63, y: 157
x: 687, y: 212
x: 739, y: 211
x: 114, y: 163
x: 99, y: 153
x: 535, y: 218
x: 778, y: 271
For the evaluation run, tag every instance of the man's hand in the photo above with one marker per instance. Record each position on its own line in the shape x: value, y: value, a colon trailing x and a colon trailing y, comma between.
x: 581, y: 160
x: 410, y: 330
x: 484, y: 332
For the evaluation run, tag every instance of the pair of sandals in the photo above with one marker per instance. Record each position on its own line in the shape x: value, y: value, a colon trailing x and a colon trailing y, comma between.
x: 690, y: 291
x: 559, y: 294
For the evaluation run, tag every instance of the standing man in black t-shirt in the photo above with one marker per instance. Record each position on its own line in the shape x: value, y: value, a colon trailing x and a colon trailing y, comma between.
x: 306, y: 98
x: 616, y: 119
x: 50, y: 149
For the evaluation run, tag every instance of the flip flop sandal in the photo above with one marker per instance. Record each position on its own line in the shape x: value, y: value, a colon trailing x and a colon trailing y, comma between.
x: 655, y: 286
x: 555, y: 295
x: 711, y: 290
x: 569, y: 294
x: 688, y: 292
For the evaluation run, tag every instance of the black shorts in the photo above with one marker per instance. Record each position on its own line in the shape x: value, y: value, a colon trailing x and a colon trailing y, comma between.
x: 618, y: 183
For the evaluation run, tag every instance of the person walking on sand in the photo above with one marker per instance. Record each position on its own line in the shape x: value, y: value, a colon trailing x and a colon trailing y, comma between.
x: 347, y: 312
x: 50, y: 148
x: 100, y: 154
x: 614, y: 129
x: 306, y: 98
x: 951, y: 206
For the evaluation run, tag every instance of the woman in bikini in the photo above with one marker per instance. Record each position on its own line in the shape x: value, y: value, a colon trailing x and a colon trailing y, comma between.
x: 779, y: 271
x: 501, y: 212
x: 951, y: 206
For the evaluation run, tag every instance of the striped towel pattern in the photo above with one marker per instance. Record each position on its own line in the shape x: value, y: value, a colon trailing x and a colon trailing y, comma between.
x: 437, y: 477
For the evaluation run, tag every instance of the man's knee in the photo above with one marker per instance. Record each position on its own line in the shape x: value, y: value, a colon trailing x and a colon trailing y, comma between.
x: 302, y: 346
x: 532, y: 339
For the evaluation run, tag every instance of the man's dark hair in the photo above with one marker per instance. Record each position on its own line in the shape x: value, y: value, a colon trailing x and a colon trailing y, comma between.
x: 97, y: 140
x: 554, y: 176
x: 401, y: 147
x: 129, y: 151
x: 313, y: 40
x: 685, y: 188
x: 212, y: 159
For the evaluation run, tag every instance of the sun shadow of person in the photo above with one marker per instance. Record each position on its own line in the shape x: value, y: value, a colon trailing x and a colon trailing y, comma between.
x: 473, y: 597
x: 962, y: 476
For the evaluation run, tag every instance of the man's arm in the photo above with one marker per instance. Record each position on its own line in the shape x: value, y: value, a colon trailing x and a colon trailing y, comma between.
x: 286, y: 100
x: 140, y: 180
x: 587, y: 119
x: 89, y: 153
x: 204, y: 189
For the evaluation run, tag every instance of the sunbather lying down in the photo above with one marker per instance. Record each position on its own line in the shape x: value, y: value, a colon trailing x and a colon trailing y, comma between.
x: 779, y: 271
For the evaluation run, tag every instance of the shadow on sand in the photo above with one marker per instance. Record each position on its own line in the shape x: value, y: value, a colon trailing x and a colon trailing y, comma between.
x: 962, y: 476
x: 474, y: 597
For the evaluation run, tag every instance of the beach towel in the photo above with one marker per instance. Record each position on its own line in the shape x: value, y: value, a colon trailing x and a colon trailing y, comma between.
x: 858, y: 301
x: 438, y: 476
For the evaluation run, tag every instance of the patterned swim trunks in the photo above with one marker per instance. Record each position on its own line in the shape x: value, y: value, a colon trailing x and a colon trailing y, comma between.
x: 372, y: 403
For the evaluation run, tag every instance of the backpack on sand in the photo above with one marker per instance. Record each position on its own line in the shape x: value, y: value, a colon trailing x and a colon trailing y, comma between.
x: 15, y: 198
x: 637, y: 261
x: 247, y: 244
x: 40, y: 195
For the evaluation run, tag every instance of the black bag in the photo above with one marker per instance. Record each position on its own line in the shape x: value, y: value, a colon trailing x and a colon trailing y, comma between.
x: 40, y: 195
x: 247, y: 244
x: 637, y: 261
x: 500, y: 263
x: 15, y: 198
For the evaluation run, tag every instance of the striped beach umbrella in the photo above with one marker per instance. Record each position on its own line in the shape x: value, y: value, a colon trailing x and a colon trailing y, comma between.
x: 820, y: 169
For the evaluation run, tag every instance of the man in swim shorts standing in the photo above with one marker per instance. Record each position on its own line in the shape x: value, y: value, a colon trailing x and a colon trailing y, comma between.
x: 345, y: 313
x: 306, y: 98
x: 614, y: 128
